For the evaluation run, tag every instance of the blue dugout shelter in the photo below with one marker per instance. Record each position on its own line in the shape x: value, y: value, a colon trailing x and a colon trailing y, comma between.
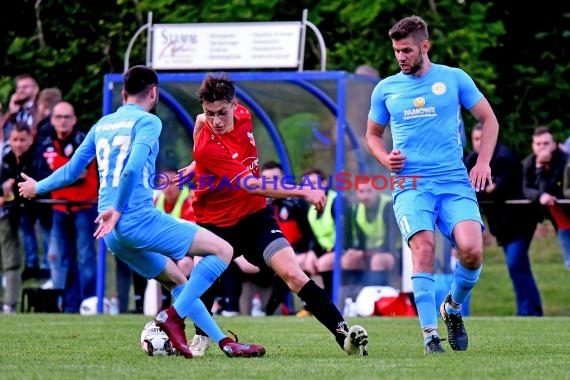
x: 301, y: 119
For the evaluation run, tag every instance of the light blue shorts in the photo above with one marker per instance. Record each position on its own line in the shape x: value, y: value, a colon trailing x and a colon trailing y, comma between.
x: 441, y: 203
x: 146, y: 238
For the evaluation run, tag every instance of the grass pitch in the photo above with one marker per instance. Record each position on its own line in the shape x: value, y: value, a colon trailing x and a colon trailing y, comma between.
x: 50, y: 346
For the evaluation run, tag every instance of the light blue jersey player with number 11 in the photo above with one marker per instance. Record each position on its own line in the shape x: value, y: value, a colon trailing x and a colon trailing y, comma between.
x: 125, y: 144
x: 423, y: 106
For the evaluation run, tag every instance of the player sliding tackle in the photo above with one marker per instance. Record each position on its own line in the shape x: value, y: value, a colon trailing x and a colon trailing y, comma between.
x: 148, y: 240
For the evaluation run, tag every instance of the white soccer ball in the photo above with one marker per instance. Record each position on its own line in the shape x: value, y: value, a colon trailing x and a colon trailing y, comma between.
x: 155, y: 342
x: 89, y: 306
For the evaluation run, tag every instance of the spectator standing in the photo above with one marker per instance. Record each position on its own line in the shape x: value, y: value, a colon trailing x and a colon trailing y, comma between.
x: 23, y: 108
x: 47, y: 99
x: 542, y: 183
x: 512, y: 225
x: 19, y: 159
x: 74, y: 267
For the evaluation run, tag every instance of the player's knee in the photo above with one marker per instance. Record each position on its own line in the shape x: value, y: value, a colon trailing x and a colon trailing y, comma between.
x: 295, y: 278
x: 471, y: 256
x: 224, y: 251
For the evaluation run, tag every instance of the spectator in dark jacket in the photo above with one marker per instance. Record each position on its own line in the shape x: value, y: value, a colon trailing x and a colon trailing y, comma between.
x: 512, y: 224
x: 542, y: 184
x: 17, y: 160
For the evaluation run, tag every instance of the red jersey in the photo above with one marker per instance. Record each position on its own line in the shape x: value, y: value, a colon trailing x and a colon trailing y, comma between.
x: 84, y: 189
x: 220, y: 160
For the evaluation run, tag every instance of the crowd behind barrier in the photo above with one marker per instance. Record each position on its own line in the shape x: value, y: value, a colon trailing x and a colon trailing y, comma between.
x: 39, y: 134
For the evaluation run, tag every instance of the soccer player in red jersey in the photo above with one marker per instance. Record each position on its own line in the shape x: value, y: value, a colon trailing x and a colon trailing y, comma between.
x: 231, y: 202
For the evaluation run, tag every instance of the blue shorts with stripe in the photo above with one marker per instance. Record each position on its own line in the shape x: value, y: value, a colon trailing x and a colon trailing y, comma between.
x: 145, y: 239
x: 435, y: 202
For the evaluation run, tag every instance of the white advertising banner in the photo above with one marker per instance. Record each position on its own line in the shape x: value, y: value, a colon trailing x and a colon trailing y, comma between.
x: 226, y: 45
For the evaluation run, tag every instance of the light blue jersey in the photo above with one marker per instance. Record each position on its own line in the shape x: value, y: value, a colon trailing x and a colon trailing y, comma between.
x: 114, y: 136
x: 424, y: 114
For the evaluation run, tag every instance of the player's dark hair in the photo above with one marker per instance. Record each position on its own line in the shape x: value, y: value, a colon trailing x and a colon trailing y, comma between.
x: 316, y: 171
x: 413, y: 26
x: 139, y: 80
x: 272, y: 165
x: 216, y: 87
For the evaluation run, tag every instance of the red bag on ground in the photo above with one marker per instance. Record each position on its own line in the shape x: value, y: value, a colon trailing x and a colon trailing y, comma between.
x: 397, y: 306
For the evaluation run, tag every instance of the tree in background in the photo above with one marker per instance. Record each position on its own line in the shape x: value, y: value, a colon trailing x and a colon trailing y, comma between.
x: 519, y: 60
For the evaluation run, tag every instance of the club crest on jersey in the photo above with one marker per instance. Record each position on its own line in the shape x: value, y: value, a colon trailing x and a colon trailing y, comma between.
x: 438, y: 88
x: 419, y: 102
x: 251, y: 139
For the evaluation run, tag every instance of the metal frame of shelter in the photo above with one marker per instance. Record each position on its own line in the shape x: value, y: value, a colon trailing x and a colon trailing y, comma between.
x: 303, y: 80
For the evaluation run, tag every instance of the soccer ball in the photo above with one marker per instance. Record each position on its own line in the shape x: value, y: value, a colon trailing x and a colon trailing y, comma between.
x: 155, y: 342
x: 89, y: 306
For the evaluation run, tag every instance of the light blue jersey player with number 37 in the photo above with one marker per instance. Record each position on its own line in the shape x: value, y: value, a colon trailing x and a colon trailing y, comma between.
x: 125, y: 144
x: 423, y: 105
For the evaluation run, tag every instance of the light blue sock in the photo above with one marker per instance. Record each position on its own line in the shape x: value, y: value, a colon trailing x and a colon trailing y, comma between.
x: 464, y: 281
x: 203, y: 275
x: 198, y: 313
x: 424, y: 295
x: 176, y: 291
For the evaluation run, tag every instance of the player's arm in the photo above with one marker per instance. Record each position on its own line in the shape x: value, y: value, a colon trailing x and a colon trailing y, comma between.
x: 65, y: 175
x: 481, y: 172
x: 277, y: 189
x: 377, y: 120
x: 394, y: 160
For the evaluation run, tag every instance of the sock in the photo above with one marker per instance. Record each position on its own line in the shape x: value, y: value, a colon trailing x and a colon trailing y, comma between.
x: 327, y: 282
x: 175, y: 293
x: 429, y: 331
x: 464, y: 280
x: 208, y: 299
x: 198, y: 313
x: 424, y: 295
x: 203, y: 275
x: 321, y: 306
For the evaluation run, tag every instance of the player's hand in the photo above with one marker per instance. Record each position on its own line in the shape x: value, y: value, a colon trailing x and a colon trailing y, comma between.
x: 395, y: 161
x: 245, y: 266
x: 480, y: 176
x: 27, y: 188
x: 15, y: 104
x: 317, y: 198
x: 183, y: 175
x: 107, y: 221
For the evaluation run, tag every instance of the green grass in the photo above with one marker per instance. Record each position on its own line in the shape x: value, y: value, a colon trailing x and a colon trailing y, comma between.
x: 52, y: 346
x: 105, y: 347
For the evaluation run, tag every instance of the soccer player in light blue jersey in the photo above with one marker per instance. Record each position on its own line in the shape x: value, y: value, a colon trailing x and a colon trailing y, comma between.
x: 423, y: 106
x: 125, y: 144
